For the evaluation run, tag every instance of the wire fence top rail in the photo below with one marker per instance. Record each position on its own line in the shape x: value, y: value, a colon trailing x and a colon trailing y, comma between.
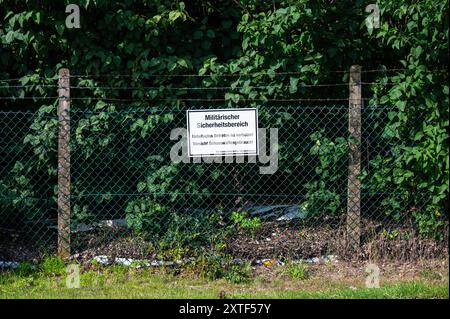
x: 146, y: 75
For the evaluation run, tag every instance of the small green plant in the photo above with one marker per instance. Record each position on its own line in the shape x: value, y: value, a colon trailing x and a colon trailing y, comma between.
x: 239, y: 273
x: 220, y: 246
x: 214, y: 267
x: 302, y: 234
x: 390, y: 234
x: 296, y: 270
x: 95, y: 263
x: 209, y: 267
x: 118, y: 269
x: 139, y: 263
x: 172, y: 250
x: 329, y: 264
x: 25, y: 269
x: 243, y: 222
x: 53, y: 265
x: 93, y: 279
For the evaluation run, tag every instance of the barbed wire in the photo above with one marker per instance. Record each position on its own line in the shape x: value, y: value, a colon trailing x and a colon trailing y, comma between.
x: 29, y: 86
x: 139, y: 109
x: 36, y: 78
x: 281, y: 108
x: 169, y: 99
x: 28, y: 97
x: 188, y: 88
x: 233, y: 74
x: 218, y: 75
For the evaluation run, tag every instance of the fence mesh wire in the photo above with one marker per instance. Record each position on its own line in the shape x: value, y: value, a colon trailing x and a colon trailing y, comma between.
x: 129, y: 197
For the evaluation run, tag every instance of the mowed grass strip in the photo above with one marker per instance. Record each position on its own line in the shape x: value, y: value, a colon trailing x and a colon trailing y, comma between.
x: 120, y: 282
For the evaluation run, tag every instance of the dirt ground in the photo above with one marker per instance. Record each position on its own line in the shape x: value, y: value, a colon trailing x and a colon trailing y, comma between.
x: 272, y: 241
x: 355, y: 274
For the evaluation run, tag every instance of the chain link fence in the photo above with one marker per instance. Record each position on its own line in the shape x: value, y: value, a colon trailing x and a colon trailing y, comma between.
x: 128, y: 189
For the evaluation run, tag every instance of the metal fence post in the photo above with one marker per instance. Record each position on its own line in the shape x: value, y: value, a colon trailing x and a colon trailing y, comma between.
x: 354, y: 166
x: 64, y: 164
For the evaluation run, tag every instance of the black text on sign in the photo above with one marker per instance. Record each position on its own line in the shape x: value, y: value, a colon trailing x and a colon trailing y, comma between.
x: 222, y: 132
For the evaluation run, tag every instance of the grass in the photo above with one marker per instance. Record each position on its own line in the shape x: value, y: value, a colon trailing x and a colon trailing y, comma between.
x: 49, y: 281
x: 412, y: 290
x: 295, y: 270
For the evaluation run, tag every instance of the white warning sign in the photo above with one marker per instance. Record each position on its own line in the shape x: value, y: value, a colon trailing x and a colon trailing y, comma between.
x: 222, y: 132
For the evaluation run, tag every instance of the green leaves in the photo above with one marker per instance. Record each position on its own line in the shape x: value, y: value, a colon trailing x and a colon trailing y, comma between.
x: 176, y: 15
x: 293, y: 85
x: 270, y: 54
x: 198, y: 34
x: 9, y: 37
x: 331, y: 155
x: 60, y: 27
x: 226, y: 24
x: 416, y: 52
x: 232, y: 96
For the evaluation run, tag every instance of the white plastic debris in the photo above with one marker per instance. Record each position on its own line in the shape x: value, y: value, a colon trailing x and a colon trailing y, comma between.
x: 83, y: 227
x: 9, y: 264
x: 139, y: 263
x: 113, y: 223
x: 323, y: 259
x: 331, y: 259
x: 279, y: 212
x: 293, y: 212
x: 124, y: 261
x: 103, y: 260
x: 314, y: 260
x: 156, y: 263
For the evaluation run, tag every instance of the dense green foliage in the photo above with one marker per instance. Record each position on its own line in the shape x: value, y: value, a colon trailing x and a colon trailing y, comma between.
x: 247, y: 47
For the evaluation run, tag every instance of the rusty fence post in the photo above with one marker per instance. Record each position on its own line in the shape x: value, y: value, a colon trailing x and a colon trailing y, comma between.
x: 64, y: 211
x: 354, y: 167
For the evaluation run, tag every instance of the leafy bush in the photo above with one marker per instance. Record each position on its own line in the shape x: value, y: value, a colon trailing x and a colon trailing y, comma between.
x: 214, y: 267
x: 179, y: 232
x: 208, y: 266
x: 239, y: 273
x: 25, y: 269
x: 147, y: 217
x: 326, y: 192
x: 243, y: 222
x: 286, y: 46
x: 53, y: 265
x: 416, y: 171
x: 190, y: 234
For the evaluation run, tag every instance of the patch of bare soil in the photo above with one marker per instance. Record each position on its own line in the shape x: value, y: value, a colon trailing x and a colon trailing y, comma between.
x: 389, y: 271
x: 15, y: 247
x: 275, y: 240
x: 129, y: 247
x: 403, y: 250
x: 355, y: 273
